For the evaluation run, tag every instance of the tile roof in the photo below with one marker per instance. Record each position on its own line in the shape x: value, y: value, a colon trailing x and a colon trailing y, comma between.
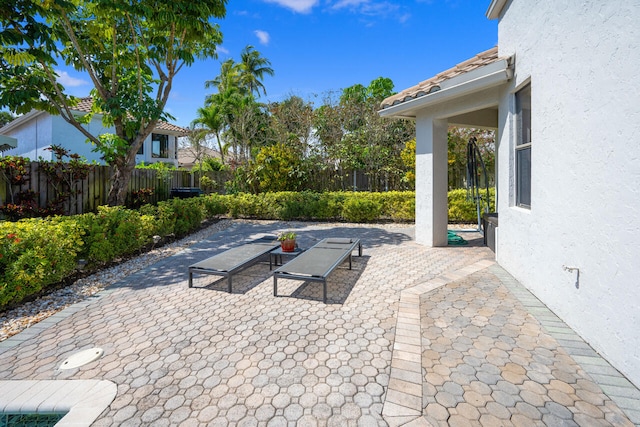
x: 85, y: 104
x: 433, y: 84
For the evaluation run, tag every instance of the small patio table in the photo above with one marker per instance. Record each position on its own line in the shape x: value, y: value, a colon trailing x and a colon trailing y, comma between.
x: 275, y: 256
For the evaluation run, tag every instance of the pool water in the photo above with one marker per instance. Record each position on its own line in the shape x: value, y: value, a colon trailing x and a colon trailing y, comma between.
x: 29, y: 420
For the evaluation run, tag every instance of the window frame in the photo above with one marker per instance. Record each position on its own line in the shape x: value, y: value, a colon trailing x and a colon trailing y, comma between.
x: 522, y: 147
x: 161, y: 139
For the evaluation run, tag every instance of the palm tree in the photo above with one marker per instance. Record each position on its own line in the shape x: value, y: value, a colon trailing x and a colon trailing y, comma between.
x: 211, y: 118
x: 253, y: 68
x: 233, y: 110
x: 229, y: 76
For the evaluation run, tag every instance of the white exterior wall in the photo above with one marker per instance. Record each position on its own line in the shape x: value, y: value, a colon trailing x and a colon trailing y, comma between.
x: 431, y: 181
x: 39, y: 133
x: 73, y: 140
x: 147, y: 158
x: 582, y: 59
x: 33, y: 137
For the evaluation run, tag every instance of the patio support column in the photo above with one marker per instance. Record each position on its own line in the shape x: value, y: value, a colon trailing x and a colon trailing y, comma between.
x: 431, y: 181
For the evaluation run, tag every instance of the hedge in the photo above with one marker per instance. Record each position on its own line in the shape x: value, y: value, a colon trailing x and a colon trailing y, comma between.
x: 37, y: 253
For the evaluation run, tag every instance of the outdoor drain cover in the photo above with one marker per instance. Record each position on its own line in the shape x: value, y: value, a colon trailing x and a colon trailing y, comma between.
x: 82, y: 358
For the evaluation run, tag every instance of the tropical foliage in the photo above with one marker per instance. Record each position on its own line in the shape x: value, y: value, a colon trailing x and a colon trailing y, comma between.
x: 131, y: 52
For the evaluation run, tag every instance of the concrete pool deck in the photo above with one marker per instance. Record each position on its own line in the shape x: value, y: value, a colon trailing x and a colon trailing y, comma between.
x: 410, y: 336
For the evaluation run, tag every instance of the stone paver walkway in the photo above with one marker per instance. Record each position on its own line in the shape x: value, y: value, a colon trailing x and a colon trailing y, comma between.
x: 411, y: 335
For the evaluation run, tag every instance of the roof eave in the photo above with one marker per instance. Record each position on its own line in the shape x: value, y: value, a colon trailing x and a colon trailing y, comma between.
x: 7, y: 143
x: 18, y: 121
x: 494, y: 74
x: 495, y: 8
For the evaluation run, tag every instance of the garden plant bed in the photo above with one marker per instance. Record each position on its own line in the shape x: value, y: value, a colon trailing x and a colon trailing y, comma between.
x: 86, y: 283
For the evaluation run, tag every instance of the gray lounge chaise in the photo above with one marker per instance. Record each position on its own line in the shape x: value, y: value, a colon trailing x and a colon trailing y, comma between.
x: 233, y: 260
x: 318, y: 262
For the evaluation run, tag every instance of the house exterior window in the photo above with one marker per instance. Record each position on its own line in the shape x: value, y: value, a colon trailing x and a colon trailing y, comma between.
x: 141, y: 149
x: 159, y: 146
x: 523, y: 147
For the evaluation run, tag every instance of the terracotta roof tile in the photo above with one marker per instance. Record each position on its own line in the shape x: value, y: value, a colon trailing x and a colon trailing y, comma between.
x: 84, y: 106
x: 433, y: 84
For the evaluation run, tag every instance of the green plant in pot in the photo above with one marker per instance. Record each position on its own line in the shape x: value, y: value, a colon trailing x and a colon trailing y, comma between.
x: 287, y: 241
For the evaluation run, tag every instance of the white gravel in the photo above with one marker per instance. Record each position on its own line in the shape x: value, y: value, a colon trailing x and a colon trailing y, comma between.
x: 30, y: 313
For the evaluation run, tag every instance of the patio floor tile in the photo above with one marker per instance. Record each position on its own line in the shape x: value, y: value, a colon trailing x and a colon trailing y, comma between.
x: 410, y: 336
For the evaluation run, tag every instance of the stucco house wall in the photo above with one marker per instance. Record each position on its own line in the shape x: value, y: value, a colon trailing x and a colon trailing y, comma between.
x: 37, y: 131
x: 576, y: 246
x: 28, y: 134
x: 582, y: 60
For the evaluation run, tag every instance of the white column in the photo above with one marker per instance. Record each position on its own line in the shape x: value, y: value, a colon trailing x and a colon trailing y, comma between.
x: 431, y: 181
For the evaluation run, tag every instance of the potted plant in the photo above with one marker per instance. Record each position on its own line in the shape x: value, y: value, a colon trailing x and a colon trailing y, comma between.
x: 287, y: 241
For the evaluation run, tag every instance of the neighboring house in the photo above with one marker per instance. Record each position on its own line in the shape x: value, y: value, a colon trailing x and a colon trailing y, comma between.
x: 561, y: 89
x: 38, y: 130
x: 187, y: 156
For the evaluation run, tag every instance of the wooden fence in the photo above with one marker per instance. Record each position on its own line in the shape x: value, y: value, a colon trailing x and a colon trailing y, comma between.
x: 87, y: 194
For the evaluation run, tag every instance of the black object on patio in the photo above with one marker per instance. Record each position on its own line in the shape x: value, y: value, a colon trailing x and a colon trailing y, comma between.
x: 318, y: 262
x: 186, y: 192
x: 233, y: 260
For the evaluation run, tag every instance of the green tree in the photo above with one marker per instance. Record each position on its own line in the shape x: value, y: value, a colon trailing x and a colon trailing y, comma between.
x: 131, y: 51
x: 408, y: 156
x: 253, y: 69
x: 210, y: 121
x: 369, y: 142
x: 291, y: 123
x: 457, y: 140
x: 327, y: 124
x: 5, y: 117
x: 245, y: 120
x: 277, y: 168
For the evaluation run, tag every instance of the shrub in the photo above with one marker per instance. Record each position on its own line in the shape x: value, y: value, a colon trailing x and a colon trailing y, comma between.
x: 35, y: 253
x: 463, y: 209
x: 207, y: 184
x: 188, y: 213
x: 139, y: 198
x: 277, y: 168
x: 399, y: 205
x: 361, y: 209
x: 215, y: 204
x: 114, y: 232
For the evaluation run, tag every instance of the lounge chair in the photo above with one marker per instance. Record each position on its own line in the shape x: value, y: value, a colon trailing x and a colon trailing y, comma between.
x: 318, y: 262
x: 233, y: 260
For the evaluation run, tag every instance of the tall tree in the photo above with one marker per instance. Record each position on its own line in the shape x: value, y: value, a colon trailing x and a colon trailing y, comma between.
x: 253, y: 69
x: 245, y: 119
x: 5, y: 117
x: 457, y: 140
x: 131, y: 51
x: 369, y: 142
x: 210, y: 121
x: 291, y: 122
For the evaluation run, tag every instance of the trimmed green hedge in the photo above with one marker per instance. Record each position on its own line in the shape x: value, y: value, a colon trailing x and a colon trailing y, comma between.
x: 463, y: 210
x: 36, y: 253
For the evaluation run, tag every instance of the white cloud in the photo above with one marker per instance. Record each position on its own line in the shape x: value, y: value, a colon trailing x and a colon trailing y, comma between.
x: 263, y: 36
x: 300, y: 6
x: 349, y: 3
x: 222, y: 50
x: 374, y: 9
x: 66, y: 80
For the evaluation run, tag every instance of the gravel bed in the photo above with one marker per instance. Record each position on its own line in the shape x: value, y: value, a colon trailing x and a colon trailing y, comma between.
x: 32, y: 312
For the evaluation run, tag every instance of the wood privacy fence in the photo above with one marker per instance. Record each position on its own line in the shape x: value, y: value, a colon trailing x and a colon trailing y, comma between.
x: 87, y: 194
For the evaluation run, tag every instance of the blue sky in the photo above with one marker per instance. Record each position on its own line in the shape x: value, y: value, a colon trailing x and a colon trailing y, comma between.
x: 317, y: 46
